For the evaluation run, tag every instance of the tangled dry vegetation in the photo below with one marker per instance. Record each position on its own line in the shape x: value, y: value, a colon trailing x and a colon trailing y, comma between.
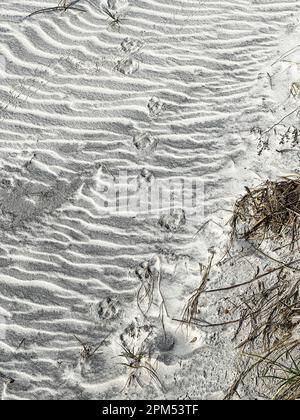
x: 270, y: 335
x: 270, y: 211
x: 266, y: 307
x: 269, y: 311
x: 142, y: 369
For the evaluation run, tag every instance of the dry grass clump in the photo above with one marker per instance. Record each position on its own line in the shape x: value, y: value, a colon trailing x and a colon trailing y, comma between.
x: 270, y: 329
x: 87, y: 350
x: 270, y: 211
x: 271, y: 314
x: 269, y: 309
x: 285, y: 373
x: 114, y: 17
x: 289, y: 381
x: 138, y: 361
x: 279, y: 369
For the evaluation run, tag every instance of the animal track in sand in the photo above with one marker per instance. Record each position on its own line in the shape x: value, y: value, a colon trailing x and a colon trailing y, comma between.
x: 147, y: 175
x: 155, y: 107
x: 136, y: 333
x: 174, y: 221
x: 149, y: 269
x: 109, y: 309
x: 143, y: 141
x: 127, y: 66
x: 149, y: 273
x: 131, y: 46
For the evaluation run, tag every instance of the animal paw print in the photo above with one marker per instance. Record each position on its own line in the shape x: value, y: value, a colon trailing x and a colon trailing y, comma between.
x: 144, y: 141
x: 155, y: 107
x: 131, y: 46
x: 149, y: 270
x: 136, y: 334
x: 147, y: 175
x: 109, y: 309
x: 174, y: 221
x: 127, y: 66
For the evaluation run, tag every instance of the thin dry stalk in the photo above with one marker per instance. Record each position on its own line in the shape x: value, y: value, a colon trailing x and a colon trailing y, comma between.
x: 63, y: 6
x: 115, y: 18
x: 145, y: 294
x: 191, y: 308
x: 88, y: 351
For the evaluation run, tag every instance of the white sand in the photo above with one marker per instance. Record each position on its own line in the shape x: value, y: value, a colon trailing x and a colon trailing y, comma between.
x: 182, y: 90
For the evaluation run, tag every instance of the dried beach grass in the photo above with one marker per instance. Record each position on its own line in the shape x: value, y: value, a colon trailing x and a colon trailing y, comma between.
x: 270, y: 211
x: 269, y: 310
x: 271, y: 314
x: 87, y: 350
x: 270, y: 327
x: 282, y: 369
x: 114, y: 18
x: 138, y: 361
x: 289, y: 380
x: 63, y: 6
x: 190, y: 310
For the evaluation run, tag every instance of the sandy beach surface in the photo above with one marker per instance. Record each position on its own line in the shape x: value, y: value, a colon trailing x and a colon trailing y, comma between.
x: 101, y: 106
